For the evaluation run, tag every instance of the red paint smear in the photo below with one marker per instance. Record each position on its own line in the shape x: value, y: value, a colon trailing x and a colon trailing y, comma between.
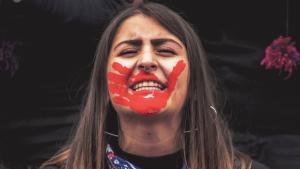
x: 116, y: 78
x: 116, y: 89
x: 121, y: 69
x: 145, y: 101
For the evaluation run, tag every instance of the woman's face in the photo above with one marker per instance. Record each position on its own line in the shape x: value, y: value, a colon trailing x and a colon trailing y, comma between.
x: 148, y: 70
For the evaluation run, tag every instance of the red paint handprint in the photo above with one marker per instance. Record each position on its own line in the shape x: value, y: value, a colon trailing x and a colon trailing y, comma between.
x: 144, y: 101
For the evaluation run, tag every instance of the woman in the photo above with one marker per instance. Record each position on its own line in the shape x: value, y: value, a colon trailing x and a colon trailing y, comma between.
x: 155, y: 108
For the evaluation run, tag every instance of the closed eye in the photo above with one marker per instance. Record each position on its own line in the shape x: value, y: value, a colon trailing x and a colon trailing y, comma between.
x: 129, y: 52
x: 166, y: 51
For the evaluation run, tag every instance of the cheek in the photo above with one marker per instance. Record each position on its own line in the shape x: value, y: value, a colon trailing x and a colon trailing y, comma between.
x: 121, y: 75
x: 128, y: 62
x: 184, y: 78
x: 168, y: 65
x: 182, y: 84
x: 178, y: 96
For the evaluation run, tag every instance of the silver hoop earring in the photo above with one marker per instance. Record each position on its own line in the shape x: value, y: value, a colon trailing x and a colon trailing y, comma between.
x: 189, y: 131
x: 212, y: 107
x: 111, y: 134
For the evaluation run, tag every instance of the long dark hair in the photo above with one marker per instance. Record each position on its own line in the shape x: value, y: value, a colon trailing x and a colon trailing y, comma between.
x: 207, y: 145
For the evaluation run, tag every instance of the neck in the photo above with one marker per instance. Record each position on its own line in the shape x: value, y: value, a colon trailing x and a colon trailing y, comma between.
x: 149, y: 137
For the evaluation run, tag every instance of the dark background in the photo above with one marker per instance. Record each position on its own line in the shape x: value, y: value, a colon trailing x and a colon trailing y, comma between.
x: 41, y: 89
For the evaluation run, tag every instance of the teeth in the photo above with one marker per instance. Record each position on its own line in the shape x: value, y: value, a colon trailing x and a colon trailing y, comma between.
x: 147, y: 85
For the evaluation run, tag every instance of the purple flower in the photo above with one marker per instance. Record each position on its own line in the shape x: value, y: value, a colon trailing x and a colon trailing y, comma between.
x: 281, y: 55
x: 8, y: 57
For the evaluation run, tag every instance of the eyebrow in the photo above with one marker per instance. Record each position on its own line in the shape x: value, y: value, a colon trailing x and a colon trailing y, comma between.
x: 154, y: 42
x: 132, y: 42
x: 158, y: 42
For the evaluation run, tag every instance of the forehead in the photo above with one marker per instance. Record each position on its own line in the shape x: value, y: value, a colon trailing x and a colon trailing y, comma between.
x: 142, y: 27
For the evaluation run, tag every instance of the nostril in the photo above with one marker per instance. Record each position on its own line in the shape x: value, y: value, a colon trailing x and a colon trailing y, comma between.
x: 147, y: 68
x: 141, y: 66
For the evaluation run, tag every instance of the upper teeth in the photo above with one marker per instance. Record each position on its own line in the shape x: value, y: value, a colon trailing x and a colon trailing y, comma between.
x: 147, y: 85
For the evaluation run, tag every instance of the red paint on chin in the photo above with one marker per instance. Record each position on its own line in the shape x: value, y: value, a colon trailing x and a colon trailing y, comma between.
x: 145, y: 101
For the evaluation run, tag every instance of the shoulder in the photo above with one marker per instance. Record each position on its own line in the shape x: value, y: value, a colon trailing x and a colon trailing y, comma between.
x: 257, y: 165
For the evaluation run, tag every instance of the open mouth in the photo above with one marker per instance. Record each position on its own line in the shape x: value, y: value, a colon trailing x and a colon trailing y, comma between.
x: 147, y: 85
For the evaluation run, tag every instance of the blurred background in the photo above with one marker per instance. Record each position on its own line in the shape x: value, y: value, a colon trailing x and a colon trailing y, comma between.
x: 47, y: 48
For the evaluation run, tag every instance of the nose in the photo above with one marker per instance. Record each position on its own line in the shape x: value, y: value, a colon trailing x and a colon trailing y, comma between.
x: 148, y: 67
x: 147, y: 62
